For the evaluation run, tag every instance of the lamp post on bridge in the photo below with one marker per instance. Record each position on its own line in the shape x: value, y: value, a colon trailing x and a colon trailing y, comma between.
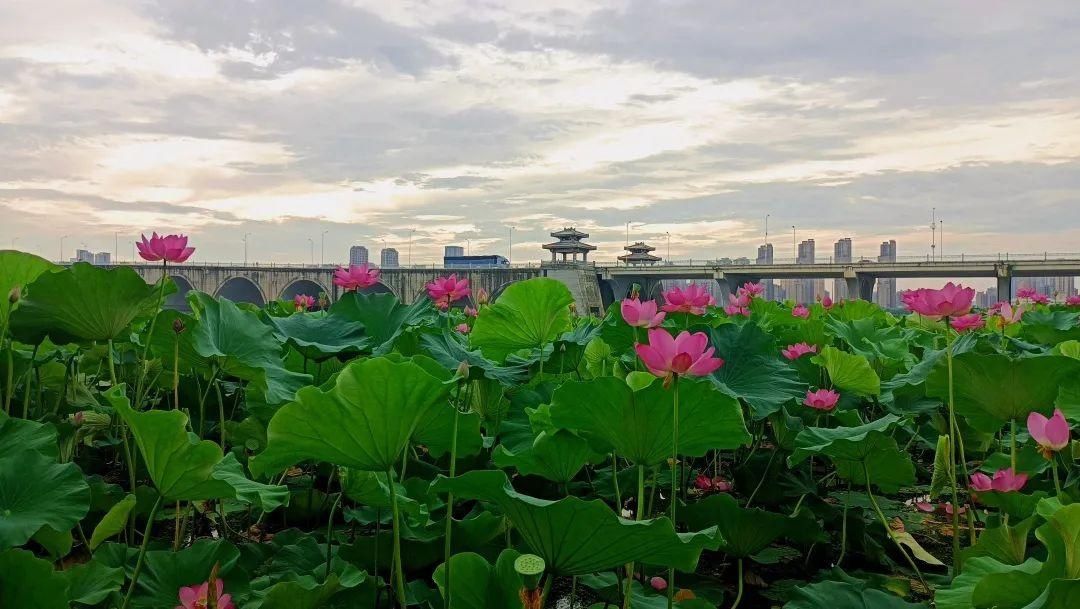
x: 62, y: 247
x: 311, y: 245
x: 322, y: 248
x: 246, y: 235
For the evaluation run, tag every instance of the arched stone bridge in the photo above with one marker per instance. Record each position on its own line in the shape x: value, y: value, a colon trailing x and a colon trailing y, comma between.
x: 259, y: 284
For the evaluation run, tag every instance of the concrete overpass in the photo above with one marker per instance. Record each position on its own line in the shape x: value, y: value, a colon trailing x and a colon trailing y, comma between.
x: 594, y: 285
x: 860, y: 276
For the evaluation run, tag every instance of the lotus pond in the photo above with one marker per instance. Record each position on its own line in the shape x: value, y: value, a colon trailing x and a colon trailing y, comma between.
x: 516, y: 455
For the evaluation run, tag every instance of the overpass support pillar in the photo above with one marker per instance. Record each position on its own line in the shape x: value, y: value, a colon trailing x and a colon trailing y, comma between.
x: 859, y: 285
x: 727, y: 285
x: 1004, y: 281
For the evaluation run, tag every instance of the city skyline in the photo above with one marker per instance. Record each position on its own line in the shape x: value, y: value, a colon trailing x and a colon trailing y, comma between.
x: 411, y: 125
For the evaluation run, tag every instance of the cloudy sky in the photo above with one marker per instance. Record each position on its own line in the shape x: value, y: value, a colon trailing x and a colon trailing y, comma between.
x: 455, y: 120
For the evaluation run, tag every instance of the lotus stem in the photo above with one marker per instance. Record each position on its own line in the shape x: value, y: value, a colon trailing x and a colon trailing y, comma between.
x: 953, y: 433
x: 330, y: 534
x: 221, y: 412
x: 142, y: 552
x: 1012, y: 444
x: 30, y: 374
x: 639, y: 513
x: 843, y: 530
x: 1053, y: 467
x: 150, y: 333
x: 738, y: 595
x: 398, y: 574
x: 674, y: 479
x: 450, y: 503
x: 9, y: 385
x: 615, y: 481
x: 889, y: 531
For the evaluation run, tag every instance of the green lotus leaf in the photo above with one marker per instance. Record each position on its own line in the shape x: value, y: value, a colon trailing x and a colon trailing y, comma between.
x: 20, y: 435
x: 1050, y: 327
x: 363, y: 422
x: 574, y: 536
x: 185, y: 468
x: 370, y: 489
x: 35, y: 492
x: 638, y: 424
x: 912, y: 383
x: 113, y: 522
x: 92, y: 582
x: 165, y: 571
x: 854, y: 449
x: 383, y: 316
x: 17, y: 269
x: 1004, y: 543
x: 868, y: 338
x: 82, y: 303
x: 1020, y: 589
x: 235, y: 341
x: 319, y: 336
x: 959, y: 593
x: 557, y: 456
x: 527, y: 315
x: 849, y: 372
x: 752, y: 369
x: 747, y: 531
x: 30, y: 582
x: 845, y: 595
x: 449, y: 349
x: 992, y: 389
x: 305, y: 592
x: 480, y: 585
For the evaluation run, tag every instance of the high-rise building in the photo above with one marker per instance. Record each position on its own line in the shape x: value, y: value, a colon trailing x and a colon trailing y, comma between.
x: 804, y: 290
x: 388, y: 258
x: 453, y: 251
x: 83, y: 256
x: 886, y: 286
x: 765, y: 256
x: 841, y: 255
x: 102, y: 258
x: 358, y: 255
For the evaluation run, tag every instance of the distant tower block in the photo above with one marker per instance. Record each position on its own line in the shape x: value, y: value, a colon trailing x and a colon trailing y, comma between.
x: 569, y: 245
x: 639, y: 254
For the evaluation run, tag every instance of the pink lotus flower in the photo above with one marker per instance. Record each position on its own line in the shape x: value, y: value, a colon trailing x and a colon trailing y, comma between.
x: 827, y: 302
x: 463, y: 328
x: 445, y: 291
x: 356, y: 277
x: 794, y: 352
x: 947, y: 508
x: 950, y: 301
x: 658, y: 583
x: 686, y: 354
x: 738, y: 304
x: 966, y: 323
x: 714, y: 484
x: 1050, y: 434
x: 482, y: 296
x: 822, y: 399
x: 753, y: 289
x: 692, y: 299
x: 303, y: 302
x: 1008, y: 314
x: 981, y: 482
x: 1032, y: 295
x: 197, y: 597
x: 641, y: 314
x: 168, y: 248
x: 800, y: 310
x: 470, y: 312
x: 1004, y: 481
x: 1073, y: 301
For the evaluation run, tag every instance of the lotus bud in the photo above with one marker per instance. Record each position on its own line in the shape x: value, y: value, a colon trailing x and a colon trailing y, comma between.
x: 463, y: 371
x: 573, y: 308
x: 14, y: 295
x: 178, y: 326
x: 482, y: 296
x: 91, y: 420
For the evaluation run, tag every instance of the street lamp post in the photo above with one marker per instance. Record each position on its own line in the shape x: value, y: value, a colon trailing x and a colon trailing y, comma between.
x: 766, y: 229
x: 246, y: 235
x: 668, y: 245
x: 62, y: 247
x: 510, y: 247
x: 794, y: 245
x: 322, y: 248
x: 311, y: 245
x: 411, y: 231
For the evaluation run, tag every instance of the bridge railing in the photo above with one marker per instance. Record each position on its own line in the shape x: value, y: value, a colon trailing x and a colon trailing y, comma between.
x: 955, y: 258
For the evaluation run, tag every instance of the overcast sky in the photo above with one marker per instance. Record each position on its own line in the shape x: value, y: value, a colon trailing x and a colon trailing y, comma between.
x: 461, y: 118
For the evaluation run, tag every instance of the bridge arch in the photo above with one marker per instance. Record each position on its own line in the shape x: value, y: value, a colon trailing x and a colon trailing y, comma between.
x: 303, y: 286
x: 178, y: 299
x: 241, y: 289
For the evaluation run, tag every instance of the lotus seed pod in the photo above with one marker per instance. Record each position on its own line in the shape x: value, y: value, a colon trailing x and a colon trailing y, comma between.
x: 531, y: 568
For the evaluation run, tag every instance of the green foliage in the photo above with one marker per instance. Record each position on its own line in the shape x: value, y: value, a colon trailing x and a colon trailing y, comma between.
x: 26, y: 581
x: 849, y: 372
x: 35, y: 492
x: 527, y: 315
x: 752, y: 369
x: 82, y: 303
x: 17, y: 269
